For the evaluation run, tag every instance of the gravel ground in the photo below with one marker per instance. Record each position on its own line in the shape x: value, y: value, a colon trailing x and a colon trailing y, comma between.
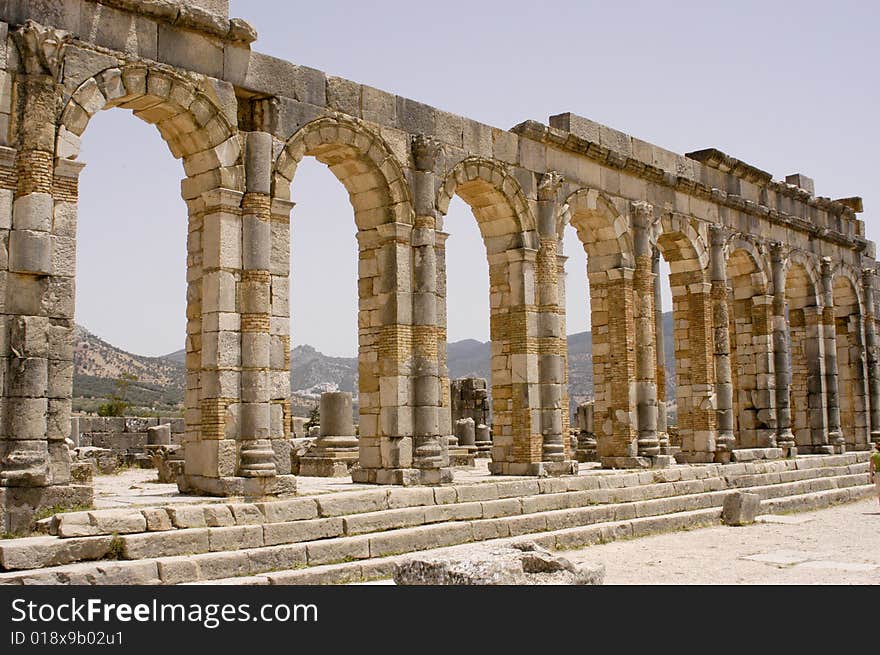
x: 839, y: 545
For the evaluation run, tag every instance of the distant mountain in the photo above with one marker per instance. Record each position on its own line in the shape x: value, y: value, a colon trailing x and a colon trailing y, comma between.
x: 98, y: 365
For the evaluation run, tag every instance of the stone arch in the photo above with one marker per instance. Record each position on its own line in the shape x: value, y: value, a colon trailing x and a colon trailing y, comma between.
x: 806, y: 347
x: 682, y: 243
x: 851, y: 365
x: 509, y: 231
x: 496, y: 199
x: 603, y: 229
x: 197, y: 132
x: 751, y: 343
x: 189, y: 120
x: 381, y: 201
x: 360, y: 159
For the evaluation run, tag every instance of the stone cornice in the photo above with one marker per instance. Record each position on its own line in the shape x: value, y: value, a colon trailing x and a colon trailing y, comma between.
x: 572, y: 143
x: 188, y: 17
x: 716, y: 159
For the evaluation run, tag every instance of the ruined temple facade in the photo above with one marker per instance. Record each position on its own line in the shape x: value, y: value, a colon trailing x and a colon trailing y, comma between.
x: 773, y: 288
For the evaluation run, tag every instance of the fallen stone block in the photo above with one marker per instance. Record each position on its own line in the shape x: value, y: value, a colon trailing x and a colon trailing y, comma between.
x: 517, y: 564
x: 740, y: 508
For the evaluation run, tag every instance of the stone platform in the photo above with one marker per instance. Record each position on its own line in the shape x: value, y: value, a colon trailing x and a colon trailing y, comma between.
x: 336, y: 531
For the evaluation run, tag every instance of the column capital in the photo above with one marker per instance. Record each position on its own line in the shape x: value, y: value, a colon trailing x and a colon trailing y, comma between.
x: 41, y: 48
x: 826, y: 267
x: 549, y: 184
x: 719, y: 234
x: 868, y: 275
x: 426, y: 152
x: 778, y: 252
x: 642, y: 213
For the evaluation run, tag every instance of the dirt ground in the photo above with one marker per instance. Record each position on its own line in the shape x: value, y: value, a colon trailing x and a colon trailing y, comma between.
x: 839, y: 545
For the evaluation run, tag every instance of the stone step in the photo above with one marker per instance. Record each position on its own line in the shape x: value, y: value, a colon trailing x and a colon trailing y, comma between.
x: 208, y: 515
x: 571, y: 538
x: 554, y: 509
x: 566, y: 528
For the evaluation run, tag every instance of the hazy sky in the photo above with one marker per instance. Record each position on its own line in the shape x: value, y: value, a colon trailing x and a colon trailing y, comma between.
x: 787, y: 87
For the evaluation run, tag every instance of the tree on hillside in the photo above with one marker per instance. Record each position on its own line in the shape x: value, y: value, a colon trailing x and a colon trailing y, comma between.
x: 117, y: 404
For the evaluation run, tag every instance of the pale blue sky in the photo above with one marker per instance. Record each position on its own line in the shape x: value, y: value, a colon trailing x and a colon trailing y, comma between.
x: 786, y: 87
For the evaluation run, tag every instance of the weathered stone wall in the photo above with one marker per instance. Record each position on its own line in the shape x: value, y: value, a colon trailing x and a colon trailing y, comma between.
x: 240, y: 121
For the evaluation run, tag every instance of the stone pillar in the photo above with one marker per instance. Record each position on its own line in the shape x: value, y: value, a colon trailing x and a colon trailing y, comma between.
x: 614, y: 366
x: 834, y: 437
x: 404, y: 384
x: 660, y: 353
x: 646, y: 359
x: 25, y: 458
x: 551, y: 338
x: 781, y: 353
x: 726, y: 440
x: 336, y: 450
x: 241, y: 431
x: 872, y: 353
x: 465, y: 430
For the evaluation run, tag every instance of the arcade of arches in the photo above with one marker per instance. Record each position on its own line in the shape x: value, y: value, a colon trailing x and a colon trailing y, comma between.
x: 773, y: 287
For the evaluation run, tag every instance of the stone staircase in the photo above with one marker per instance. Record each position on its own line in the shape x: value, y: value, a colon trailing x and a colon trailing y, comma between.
x: 357, y: 536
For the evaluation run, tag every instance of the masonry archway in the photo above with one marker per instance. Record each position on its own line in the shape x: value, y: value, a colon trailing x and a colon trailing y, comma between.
x: 803, y: 317
x: 851, y: 372
x: 383, y: 216
x: 751, y: 345
x: 507, y: 226
x: 684, y: 249
x: 603, y: 231
x: 196, y: 131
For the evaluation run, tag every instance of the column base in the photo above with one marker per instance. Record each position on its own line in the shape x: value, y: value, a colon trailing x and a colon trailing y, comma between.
x: 653, y: 462
x: 402, y: 477
x: 21, y: 507
x: 328, y: 465
x: 537, y: 469
x: 279, y: 485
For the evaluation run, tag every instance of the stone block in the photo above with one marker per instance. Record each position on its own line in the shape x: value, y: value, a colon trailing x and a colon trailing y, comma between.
x: 352, y: 503
x: 189, y: 50
x: 235, y: 537
x: 289, y: 510
x: 187, y: 516
x: 157, y: 519
x: 331, y: 551
x: 163, y: 544
x: 30, y: 252
x: 299, y: 531
x: 740, y: 508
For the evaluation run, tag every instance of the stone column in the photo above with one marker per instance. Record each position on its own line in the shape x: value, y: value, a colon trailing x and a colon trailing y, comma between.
x: 646, y: 359
x: 726, y: 440
x: 430, y: 454
x: 36, y: 296
x: 336, y: 450
x: 781, y: 352
x: 834, y: 436
x: 660, y: 353
x: 551, y: 339
x: 445, y: 410
x: 256, y: 455
x: 872, y: 353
